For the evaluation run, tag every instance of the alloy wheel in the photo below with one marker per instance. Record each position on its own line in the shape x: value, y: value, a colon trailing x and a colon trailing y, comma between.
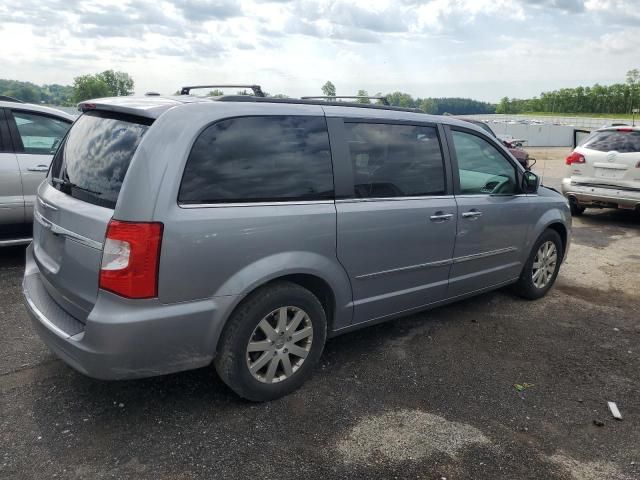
x: 544, y: 265
x: 279, y: 344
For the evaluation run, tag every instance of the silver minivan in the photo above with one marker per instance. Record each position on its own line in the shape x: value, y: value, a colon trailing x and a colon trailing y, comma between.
x: 176, y: 232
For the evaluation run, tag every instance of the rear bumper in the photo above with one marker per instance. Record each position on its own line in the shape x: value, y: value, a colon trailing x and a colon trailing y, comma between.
x: 601, y: 196
x: 123, y: 338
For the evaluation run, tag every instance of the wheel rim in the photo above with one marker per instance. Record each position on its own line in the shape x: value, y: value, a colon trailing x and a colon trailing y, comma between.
x: 279, y: 344
x: 544, y: 265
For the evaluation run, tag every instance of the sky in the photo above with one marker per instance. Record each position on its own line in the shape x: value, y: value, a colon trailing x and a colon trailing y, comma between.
x: 483, y: 49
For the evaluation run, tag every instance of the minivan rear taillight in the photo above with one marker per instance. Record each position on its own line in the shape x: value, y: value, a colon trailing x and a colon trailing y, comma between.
x: 575, y: 157
x: 130, y: 259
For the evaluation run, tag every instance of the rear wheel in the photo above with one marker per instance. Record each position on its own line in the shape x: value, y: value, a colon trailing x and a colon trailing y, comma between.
x: 541, y: 269
x: 576, y: 209
x: 272, y: 342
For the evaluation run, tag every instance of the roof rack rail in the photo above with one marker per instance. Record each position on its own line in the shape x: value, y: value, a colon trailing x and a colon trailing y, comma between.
x: 7, y: 98
x: 306, y: 101
x: 334, y: 97
x: 257, y: 90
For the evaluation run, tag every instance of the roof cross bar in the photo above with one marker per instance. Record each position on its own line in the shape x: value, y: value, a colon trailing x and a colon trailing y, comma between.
x: 358, y: 97
x: 257, y: 90
x: 7, y: 98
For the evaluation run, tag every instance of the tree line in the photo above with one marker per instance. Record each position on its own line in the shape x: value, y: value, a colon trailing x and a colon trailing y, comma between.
x: 436, y: 106
x: 616, y: 98
x: 53, y: 94
x: 607, y: 99
x: 104, y: 84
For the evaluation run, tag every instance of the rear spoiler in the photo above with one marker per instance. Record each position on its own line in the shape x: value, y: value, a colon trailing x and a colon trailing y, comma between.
x: 149, y: 107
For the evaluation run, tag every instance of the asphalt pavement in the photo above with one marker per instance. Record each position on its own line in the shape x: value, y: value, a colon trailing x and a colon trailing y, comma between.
x: 494, y: 387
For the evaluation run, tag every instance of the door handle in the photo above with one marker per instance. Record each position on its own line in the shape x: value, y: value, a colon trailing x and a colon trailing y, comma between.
x: 472, y: 214
x: 441, y: 217
x: 39, y: 168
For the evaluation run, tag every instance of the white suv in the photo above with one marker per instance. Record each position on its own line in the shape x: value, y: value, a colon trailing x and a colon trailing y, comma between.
x: 29, y: 136
x: 605, y: 171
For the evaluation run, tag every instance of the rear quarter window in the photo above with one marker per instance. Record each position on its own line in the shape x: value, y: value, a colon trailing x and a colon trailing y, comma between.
x: 608, y: 140
x: 259, y: 159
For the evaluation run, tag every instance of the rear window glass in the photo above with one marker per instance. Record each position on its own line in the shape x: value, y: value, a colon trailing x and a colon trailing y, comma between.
x: 93, y: 160
x: 608, y: 140
x: 253, y: 159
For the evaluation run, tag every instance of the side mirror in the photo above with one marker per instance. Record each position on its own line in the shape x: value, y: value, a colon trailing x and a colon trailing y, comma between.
x: 530, y: 182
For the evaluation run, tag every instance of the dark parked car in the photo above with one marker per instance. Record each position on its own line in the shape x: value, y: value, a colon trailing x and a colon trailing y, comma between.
x: 521, y: 155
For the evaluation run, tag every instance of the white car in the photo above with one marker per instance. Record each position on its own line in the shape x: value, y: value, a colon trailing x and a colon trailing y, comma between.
x: 29, y: 136
x: 604, y: 171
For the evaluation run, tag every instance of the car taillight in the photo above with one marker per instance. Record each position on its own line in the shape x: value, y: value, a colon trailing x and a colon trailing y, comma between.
x: 624, y: 129
x: 575, y: 157
x: 130, y: 259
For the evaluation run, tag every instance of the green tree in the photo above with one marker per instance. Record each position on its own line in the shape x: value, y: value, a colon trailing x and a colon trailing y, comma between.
x: 428, y: 105
x: 215, y: 93
x: 399, y: 99
x: 105, y: 84
x: 503, y: 106
x: 329, y: 90
x: 363, y: 97
x: 89, y: 86
x: 119, y: 83
x: 633, y: 80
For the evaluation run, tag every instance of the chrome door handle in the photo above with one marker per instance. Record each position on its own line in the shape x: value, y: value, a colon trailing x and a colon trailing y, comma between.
x: 39, y: 168
x: 472, y: 214
x: 441, y: 217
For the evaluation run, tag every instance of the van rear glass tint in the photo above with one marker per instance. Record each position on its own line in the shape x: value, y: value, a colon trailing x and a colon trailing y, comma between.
x: 93, y: 160
x: 608, y: 140
x: 254, y: 159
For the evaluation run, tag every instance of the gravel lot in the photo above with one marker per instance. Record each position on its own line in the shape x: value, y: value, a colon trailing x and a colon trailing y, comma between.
x: 428, y: 396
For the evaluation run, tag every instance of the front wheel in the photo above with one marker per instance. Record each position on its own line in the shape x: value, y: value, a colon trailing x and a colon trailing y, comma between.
x: 272, y: 342
x: 541, y: 269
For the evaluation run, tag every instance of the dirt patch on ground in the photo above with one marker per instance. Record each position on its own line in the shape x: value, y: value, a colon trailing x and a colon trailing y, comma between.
x: 407, y: 435
x: 594, y: 267
x: 581, y: 470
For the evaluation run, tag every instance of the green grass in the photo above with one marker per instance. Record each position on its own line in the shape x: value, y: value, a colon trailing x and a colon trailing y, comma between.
x: 567, y: 114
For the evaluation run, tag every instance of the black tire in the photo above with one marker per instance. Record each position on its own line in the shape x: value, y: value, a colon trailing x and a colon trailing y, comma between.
x: 231, y: 358
x: 525, y: 287
x: 576, y: 210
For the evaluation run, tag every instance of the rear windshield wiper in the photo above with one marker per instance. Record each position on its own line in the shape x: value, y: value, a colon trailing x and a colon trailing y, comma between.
x: 66, y: 184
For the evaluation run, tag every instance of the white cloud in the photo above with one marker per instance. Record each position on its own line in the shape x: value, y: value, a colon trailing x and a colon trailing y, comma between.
x: 479, y: 48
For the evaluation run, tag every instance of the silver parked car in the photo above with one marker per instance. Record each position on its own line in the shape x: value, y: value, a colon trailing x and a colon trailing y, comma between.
x: 604, y: 171
x: 29, y: 136
x: 173, y: 232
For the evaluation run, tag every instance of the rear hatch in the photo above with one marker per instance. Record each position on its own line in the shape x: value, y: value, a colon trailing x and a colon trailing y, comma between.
x: 76, y: 202
x: 611, y: 159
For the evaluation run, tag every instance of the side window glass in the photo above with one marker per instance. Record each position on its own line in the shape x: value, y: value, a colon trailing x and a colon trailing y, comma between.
x: 395, y: 160
x: 254, y: 159
x: 482, y: 168
x: 40, y: 134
